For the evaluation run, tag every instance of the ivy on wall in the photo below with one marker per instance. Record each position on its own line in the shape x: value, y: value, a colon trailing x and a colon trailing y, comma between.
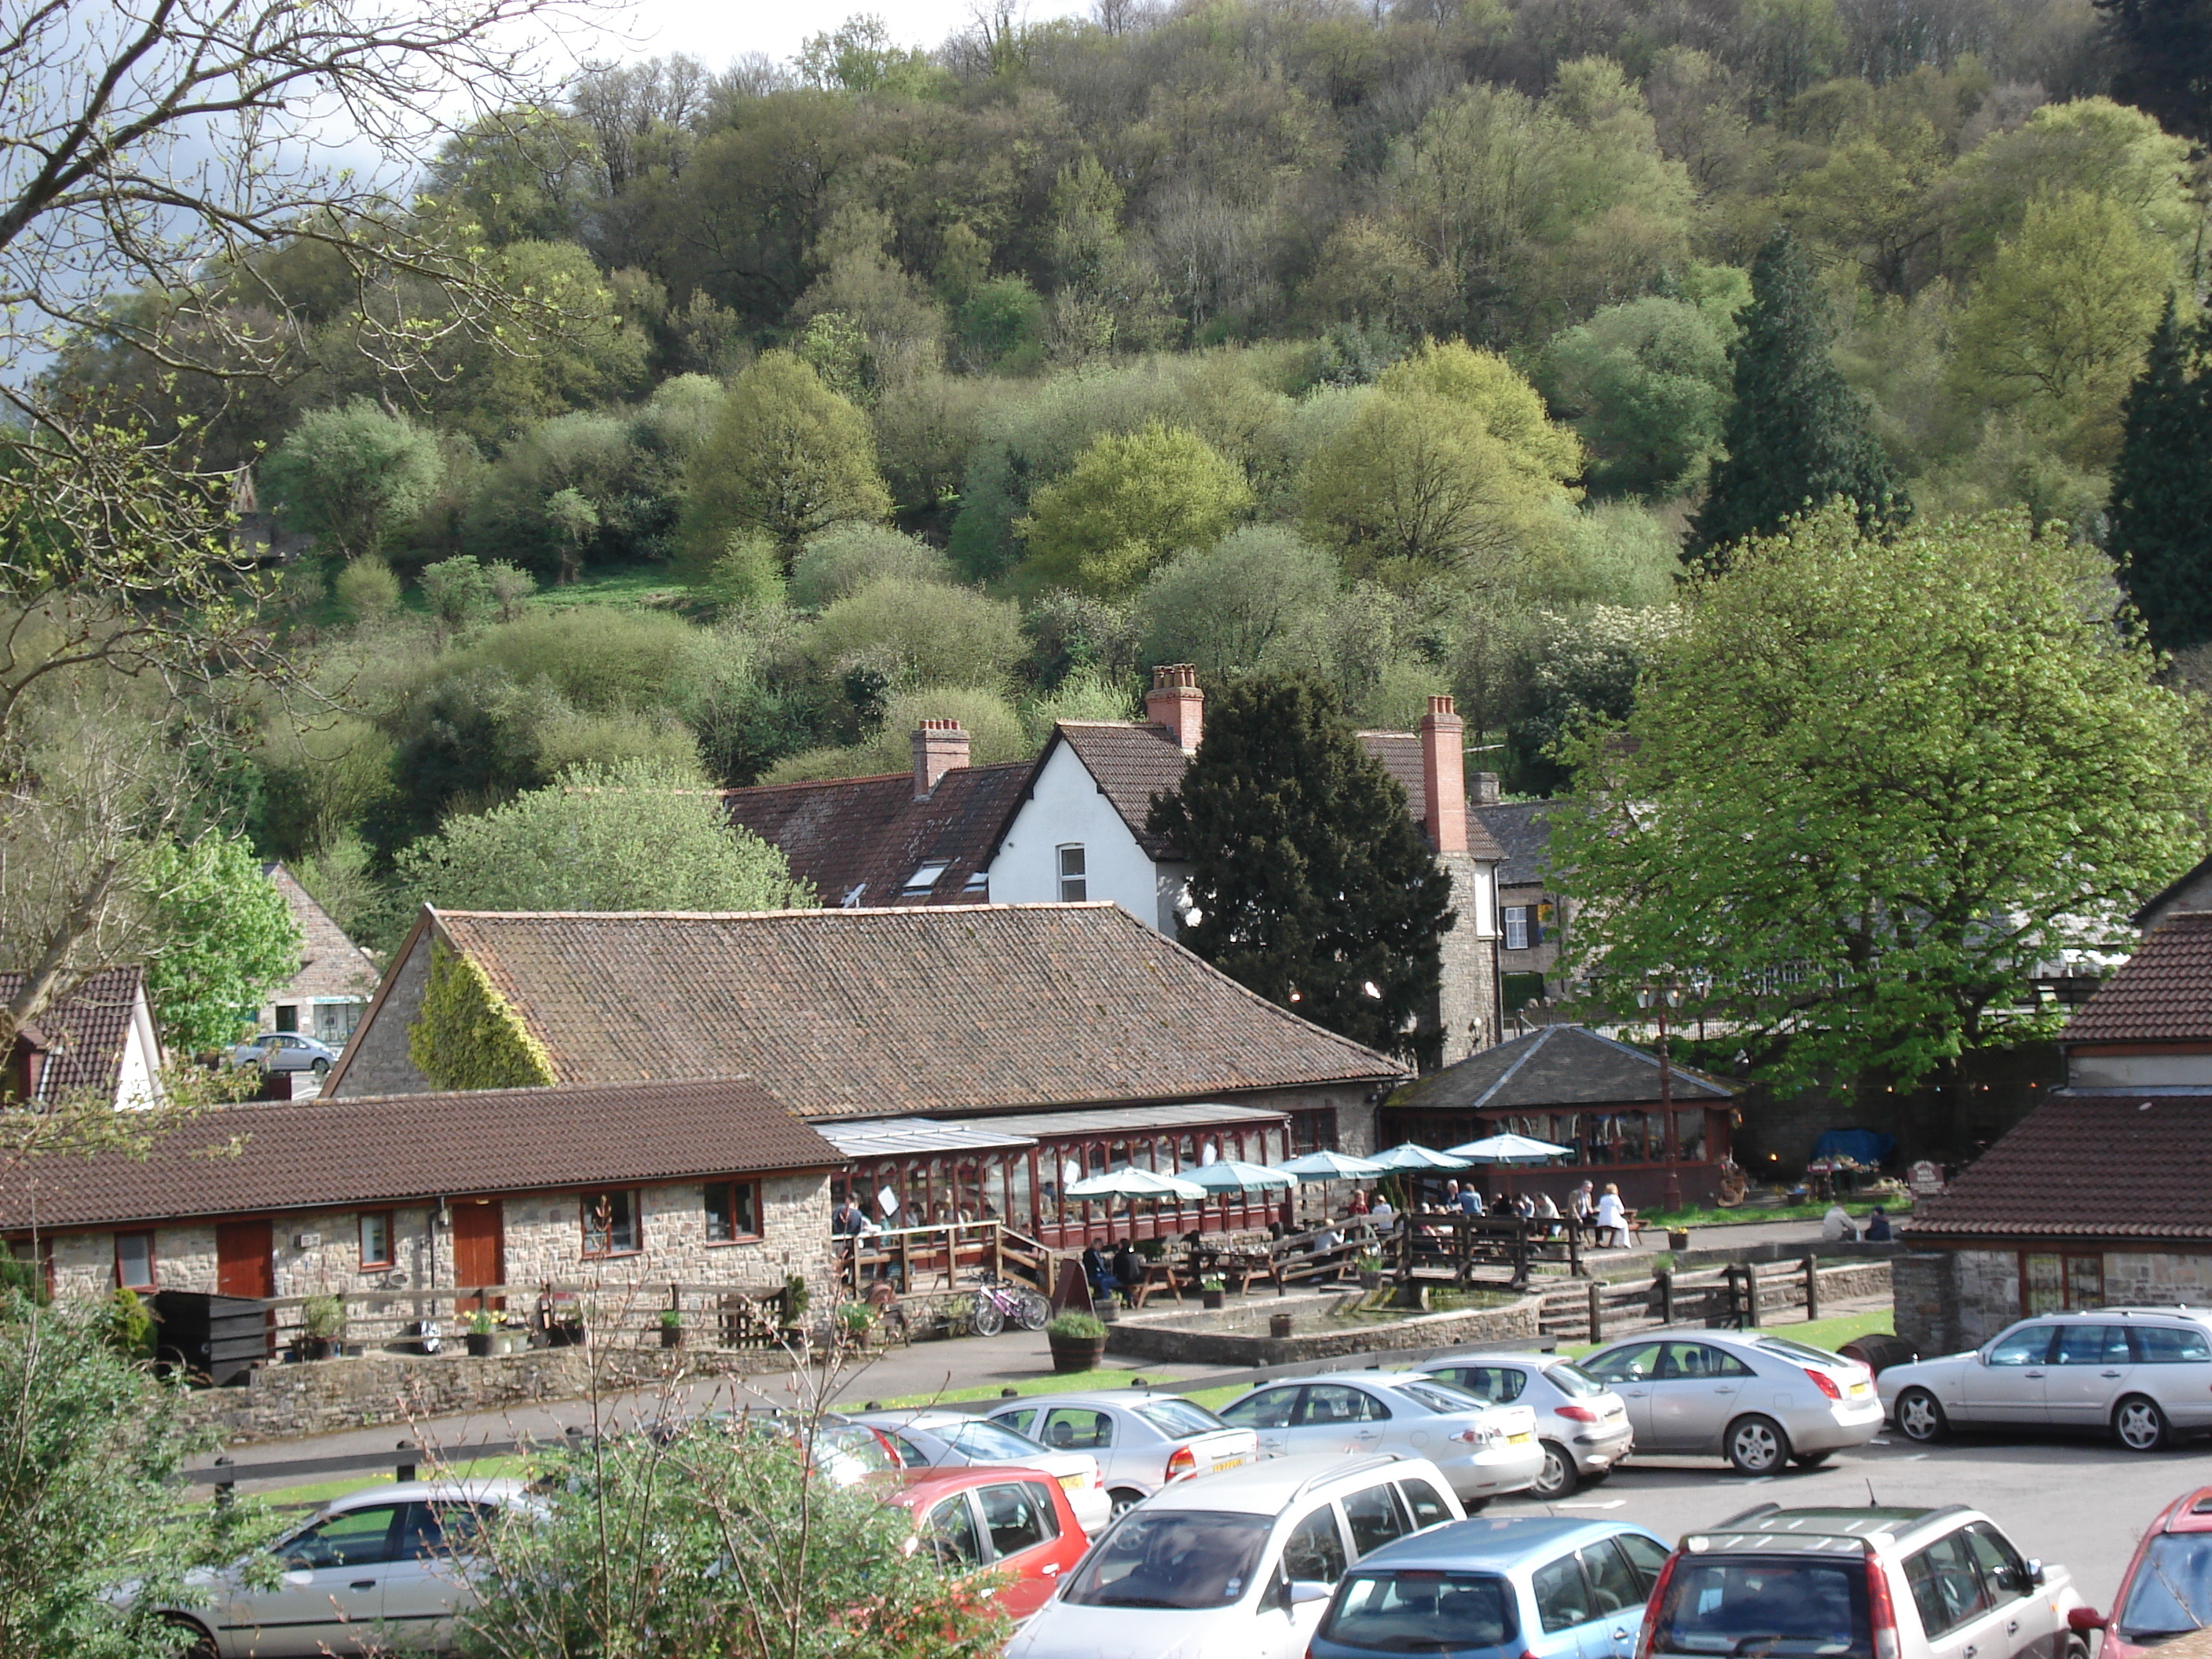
x: 468, y: 1036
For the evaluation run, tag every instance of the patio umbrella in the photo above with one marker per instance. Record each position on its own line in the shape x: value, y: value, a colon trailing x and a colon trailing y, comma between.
x: 1231, y: 1175
x: 1509, y: 1149
x: 1134, y: 1183
x: 1409, y: 1159
x: 1331, y: 1166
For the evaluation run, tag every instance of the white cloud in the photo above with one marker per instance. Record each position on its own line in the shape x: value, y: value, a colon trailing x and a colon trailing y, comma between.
x: 715, y: 33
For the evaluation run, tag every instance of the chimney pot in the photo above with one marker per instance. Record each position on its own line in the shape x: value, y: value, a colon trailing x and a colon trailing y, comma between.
x: 1486, y: 789
x: 940, y: 746
x: 1443, y: 775
x: 1176, y: 702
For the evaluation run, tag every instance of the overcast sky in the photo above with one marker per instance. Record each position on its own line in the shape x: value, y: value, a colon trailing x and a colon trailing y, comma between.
x: 715, y: 31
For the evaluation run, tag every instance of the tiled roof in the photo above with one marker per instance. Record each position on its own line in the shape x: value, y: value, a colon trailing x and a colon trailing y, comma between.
x: 859, y: 840
x: 2156, y: 905
x: 1523, y: 831
x: 83, y: 1036
x: 331, y: 964
x: 852, y: 1013
x: 1132, y: 763
x: 1558, y: 1065
x: 2117, y: 1166
x: 2162, y: 993
x: 396, y: 1148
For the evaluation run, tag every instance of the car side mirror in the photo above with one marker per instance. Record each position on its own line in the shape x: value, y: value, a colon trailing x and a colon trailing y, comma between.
x: 1304, y: 1592
x: 2035, y: 1573
x: 2084, y: 1620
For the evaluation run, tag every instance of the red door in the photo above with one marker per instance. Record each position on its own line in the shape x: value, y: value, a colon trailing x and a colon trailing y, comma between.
x: 479, y: 1250
x: 244, y: 1263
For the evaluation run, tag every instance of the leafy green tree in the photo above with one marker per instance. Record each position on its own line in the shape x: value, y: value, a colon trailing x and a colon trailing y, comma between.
x: 1797, y: 436
x: 1310, y: 883
x: 2161, y: 500
x: 225, y: 938
x: 1222, y: 608
x: 632, y: 837
x: 366, y: 589
x: 839, y: 561
x: 787, y: 456
x: 457, y: 591
x: 348, y: 476
x: 922, y: 633
x: 1872, y: 784
x: 1645, y: 383
x: 1130, y: 501
x: 1583, y: 668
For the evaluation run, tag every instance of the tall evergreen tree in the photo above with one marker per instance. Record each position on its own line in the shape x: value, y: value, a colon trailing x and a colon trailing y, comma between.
x: 1310, y: 883
x: 1796, y: 437
x: 2161, y: 500
x: 2163, y: 49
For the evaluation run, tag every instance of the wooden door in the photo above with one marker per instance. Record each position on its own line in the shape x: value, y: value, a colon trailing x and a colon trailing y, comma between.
x: 244, y: 1260
x: 479, y: 1250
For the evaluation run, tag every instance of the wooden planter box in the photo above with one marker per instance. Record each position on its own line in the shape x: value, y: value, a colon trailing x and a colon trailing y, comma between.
x: 672, y: 1336
x: 1076, y: 1353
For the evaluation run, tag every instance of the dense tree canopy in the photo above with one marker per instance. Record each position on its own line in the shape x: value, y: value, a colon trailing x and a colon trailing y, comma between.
x: 2161, y: 503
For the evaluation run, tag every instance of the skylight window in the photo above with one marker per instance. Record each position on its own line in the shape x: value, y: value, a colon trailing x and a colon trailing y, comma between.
x: 924, y: 880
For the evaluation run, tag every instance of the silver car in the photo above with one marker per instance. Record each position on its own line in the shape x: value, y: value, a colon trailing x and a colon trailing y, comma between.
x: 1142, y: 1438
x: 2142, y: 1374
x: 378, y: 1568
x: 285, y: 1051
x: 948, y: 1439
x: 1483, y: 1449
x: 1758, y: 1400
x: 1582, y: 1425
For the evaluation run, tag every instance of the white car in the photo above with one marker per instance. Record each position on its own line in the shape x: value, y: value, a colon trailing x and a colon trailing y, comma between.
x: 1237, y: 1566
x: 947, y: 1439
x: 1143, y: 1438
x: 1483, y: 1449
x: 2142, y: 1374
x: 1581, y: 1424
x: 379, y: 1568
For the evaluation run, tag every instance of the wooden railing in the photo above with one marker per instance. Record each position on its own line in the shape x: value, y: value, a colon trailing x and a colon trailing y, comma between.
x: 915, y: 1260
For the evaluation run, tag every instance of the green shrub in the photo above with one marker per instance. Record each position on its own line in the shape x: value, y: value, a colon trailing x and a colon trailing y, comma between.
x: 367, y: 590
x: 1076, y: 1325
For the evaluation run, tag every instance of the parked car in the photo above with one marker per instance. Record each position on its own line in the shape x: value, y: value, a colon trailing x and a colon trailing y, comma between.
x: 942, y: 1439
x: 1483, y: 1449
x: 1582, y: 1425
x: 1533, y: 1586
x: 2142, y: 1374
x: 285, y: 1051
x: 1142, y: 1438
x: 381, y: 1567
x: 995, y: 1519
x: 839, y: 1449
x: 1237, y: 1566
x: 2166, y: 1590
x: 1871, y: 1583
x: 1758, y: 1400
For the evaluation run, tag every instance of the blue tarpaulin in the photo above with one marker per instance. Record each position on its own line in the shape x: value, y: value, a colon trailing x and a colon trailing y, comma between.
x: 1867, y: 1146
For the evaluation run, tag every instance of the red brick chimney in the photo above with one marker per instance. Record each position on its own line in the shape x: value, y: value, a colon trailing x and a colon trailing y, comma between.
x: 1176, y: 702
x: 1443, y: 775
x: 940, y: 746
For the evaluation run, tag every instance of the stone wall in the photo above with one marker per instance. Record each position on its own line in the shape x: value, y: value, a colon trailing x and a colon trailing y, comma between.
x: 1949, y: 1301
x: 377, y: 1061
x: 1209, y: 1338
x: 1466, y: 1006
x: 2158, y: 1278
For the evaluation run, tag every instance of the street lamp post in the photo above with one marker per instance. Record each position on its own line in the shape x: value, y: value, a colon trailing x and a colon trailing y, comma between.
x: 1659, y: 997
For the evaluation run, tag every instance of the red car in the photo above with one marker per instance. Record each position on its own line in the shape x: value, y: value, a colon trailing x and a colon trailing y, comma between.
x: 2166, y: 1590
x: 991, y: 1518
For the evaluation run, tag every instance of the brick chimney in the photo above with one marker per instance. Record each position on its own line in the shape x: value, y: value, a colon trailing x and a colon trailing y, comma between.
x: 1176, y: 702
x: 1443, y: 775
x: 940, y: 746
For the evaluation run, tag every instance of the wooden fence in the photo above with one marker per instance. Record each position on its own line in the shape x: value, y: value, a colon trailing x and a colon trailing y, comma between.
x: 913, y: 1261
x: 1739, y: 1295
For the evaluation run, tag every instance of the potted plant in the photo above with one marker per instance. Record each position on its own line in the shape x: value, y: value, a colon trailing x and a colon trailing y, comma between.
x: 1369, y: 1266
x: 1211, y: 1290
x: 1077, y: 1339
x: 482, y: 1331
x: 322, y: 1324
x: 854, y: 1320
x: 512, y: 1336
x: 672, y: 1328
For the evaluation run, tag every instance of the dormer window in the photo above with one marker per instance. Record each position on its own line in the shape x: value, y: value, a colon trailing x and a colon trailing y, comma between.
x: 979, y: 881
x: 923, y: 881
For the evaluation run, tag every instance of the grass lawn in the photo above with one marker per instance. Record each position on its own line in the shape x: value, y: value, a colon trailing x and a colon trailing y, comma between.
x: 1106, y: 1376
x: 1830, y: 1334
x: 627, y: 586
x: 1745, y: 1214
x: 314, y: 1494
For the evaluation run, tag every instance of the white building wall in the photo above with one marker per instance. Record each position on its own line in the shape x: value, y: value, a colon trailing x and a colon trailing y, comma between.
x: 1067, y: 808
x: 139, y: 1079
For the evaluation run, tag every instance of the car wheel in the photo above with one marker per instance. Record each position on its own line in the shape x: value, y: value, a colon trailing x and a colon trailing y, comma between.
x: 2140, y: 1424
x: 191, y: 1636
x: 320, y: 1068
x: 1125, y: 1499
x: 1811, y: 1460
x: 1557, y: 1478
x: 1919, y: 1416
x: 1756, y: 1445
x: 2074, y: 1648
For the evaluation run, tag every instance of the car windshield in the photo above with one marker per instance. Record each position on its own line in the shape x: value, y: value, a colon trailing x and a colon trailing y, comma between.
x: 1171, y: 1559
x: 1572, y: 1380
x: 1443, y: 1396
x: 846, y: 1451
x: 994, y: 1441
x: 1423, y: 1613
x: 1179, y: 1419
x: 2173, y: 1590
x: 1751, y: 1609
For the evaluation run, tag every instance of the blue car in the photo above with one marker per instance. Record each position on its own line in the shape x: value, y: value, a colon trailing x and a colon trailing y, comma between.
x: 1498, y: 1590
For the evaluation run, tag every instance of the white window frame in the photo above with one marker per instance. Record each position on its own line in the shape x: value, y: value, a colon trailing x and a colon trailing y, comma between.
x: 1517, y: 926
x: 1074, y: 884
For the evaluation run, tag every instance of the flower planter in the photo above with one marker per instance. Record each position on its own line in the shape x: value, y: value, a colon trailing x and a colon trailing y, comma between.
x: 1371, y: 1281
x: 504, y: 1340
x: 1677, y: 1238
x: 1209, y: 1299
x: 672, y: 1336
x: 1279, y: 1325
x: 1076, y: 1353
x: 565, y: 1336
x: 479, y: 1343
x: 315, y: 1347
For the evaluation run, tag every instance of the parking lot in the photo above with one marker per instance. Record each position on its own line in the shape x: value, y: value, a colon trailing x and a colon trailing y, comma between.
x: 2080, y: 1503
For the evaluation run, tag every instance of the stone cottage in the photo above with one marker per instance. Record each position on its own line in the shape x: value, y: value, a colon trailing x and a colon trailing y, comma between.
x: 324, y: 999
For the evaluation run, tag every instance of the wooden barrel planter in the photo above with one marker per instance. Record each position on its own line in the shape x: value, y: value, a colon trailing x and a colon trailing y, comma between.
x: 1078, y: 1341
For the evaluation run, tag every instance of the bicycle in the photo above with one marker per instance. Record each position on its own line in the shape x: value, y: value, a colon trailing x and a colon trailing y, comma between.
x: 997, y: 1301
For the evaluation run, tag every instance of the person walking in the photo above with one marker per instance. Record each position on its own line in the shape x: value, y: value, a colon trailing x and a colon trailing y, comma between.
x: 1612, y: 1216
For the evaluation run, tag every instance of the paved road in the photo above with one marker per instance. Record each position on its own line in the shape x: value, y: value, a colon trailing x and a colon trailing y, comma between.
x: 2080, y: 1503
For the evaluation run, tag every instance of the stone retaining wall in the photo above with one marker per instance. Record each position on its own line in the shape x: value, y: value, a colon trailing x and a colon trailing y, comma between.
x: 1205, y: 1339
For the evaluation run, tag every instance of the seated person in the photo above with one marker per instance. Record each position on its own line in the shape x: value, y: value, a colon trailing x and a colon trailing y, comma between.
x: 1877, y: 1227
x: 1129, y: 1270
x: 1836, y: 1225
x: 1097, y: 1270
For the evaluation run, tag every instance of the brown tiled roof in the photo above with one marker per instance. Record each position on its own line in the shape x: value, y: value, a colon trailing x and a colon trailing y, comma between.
x: 331, y: 964
x: 857, y: 841
x: 2162, y: 993
x: 389, y: 1148
x: 2119, y: 1166
x: 1132, y: 763
x: 83, y: 1036
x: 889, y: 1012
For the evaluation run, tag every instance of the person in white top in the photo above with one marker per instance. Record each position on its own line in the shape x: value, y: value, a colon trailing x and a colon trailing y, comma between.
x: 1380, y: 1210
x: 1612, y: 1216
x: 1837, y: 1225
x: 1545, y: 1210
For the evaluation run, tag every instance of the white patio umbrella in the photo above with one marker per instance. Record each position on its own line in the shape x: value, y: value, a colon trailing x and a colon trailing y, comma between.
x: 1409, y: 1159
x: 1232, y: 1175
x: 1331, y: 1166
x: 1509, y: 1149
x: 1132, y: 1182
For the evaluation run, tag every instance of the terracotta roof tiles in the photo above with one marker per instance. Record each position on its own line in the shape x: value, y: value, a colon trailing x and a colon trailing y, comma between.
x: 2162, y: 993
x: 83, y: 1034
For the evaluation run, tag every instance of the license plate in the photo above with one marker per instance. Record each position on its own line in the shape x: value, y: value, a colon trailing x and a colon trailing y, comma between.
x: 1520, y: 1440
x: 1860, y: 1387
x: 1073, y: 1483
x: 1615, y: 1415
x: 1221, y: 1464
